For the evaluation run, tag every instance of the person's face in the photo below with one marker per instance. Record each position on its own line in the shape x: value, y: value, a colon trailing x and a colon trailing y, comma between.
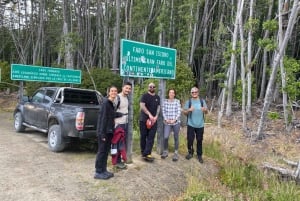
x: 151, y: 88
x: 194, y: 93
x: 171, y: 94
x: 126, y: 89
x: 113, y: 91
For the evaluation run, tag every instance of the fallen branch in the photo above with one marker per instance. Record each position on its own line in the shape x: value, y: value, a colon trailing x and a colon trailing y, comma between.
x: 291, y: 163
x: 285, y: 172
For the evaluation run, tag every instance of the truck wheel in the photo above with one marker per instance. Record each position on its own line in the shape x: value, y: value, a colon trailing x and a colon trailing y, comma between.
x: 56, y: 142
x: 18, y: 122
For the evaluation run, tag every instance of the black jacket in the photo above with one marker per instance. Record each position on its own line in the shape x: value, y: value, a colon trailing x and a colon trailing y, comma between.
x: 106, y: 122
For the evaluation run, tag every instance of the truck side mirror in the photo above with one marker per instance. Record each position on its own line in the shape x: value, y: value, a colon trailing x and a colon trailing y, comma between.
x: 25, y: 99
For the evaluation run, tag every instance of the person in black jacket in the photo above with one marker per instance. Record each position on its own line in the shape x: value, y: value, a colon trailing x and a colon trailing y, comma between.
x: 105, y: 130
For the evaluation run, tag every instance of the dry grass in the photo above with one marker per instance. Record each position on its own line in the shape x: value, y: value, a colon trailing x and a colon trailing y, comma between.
x: 276, y: 146
x: 8, y: 102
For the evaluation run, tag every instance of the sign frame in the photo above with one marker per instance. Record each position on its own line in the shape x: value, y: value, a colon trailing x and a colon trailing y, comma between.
x: 139, y: 59
x: 44, y: 74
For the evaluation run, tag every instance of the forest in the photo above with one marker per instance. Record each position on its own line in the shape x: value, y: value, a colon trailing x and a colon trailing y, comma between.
x: 239, y: 52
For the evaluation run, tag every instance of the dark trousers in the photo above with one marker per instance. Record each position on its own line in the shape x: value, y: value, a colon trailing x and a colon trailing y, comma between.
x: 191, y: 133
x: 102, y: 154
x: 125, y: 127
x: 147, y: 138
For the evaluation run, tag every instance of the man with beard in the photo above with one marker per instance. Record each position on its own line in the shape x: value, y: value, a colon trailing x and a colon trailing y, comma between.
x: 150, y: 108
x: 122, y: 104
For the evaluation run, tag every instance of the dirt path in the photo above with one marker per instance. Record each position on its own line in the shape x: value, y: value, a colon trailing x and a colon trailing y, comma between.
x: 29, y: 171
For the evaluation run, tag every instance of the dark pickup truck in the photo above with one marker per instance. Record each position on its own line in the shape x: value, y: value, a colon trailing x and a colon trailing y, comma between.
x: 62, y: 112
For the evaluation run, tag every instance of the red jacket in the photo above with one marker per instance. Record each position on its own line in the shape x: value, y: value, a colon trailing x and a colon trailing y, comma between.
x: 118, y: 141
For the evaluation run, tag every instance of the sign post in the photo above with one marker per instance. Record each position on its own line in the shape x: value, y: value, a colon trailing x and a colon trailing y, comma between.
x: 44, y: 74
x: 146, y: 60
x: 149, y: 61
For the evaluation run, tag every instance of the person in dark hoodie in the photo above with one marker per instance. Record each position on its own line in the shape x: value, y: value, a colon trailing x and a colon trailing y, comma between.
x: 105, y: 130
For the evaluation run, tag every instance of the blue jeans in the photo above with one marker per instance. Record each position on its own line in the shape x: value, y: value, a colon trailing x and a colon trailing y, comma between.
x: 167, y: 131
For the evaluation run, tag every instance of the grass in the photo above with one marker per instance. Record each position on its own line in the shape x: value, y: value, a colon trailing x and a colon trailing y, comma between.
x: 238, y: 178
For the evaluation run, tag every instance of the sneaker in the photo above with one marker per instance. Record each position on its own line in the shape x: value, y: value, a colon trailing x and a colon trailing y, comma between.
x: 164, y: 155
x: 149, y: 158
x: 189, y: 156
x: 121, y: 166
x: 175, y: 157
x: 200, y: 159
x: 101, y: 175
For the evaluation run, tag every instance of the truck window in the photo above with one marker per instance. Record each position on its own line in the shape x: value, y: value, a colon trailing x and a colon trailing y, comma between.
x: 80, y: 97
x: 49, y: 96
x: 38, y: 97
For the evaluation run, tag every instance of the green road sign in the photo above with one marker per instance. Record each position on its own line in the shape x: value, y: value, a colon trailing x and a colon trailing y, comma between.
x: 146, y: 60
x: 44, y: 74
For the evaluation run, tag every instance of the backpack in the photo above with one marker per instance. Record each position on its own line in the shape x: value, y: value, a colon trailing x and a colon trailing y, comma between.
x: 118, y: 102
x: 117, y: 106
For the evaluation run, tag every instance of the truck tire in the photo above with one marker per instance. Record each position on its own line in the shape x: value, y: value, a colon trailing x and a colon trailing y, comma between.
x: 56, y: 143
x: 18, y: 122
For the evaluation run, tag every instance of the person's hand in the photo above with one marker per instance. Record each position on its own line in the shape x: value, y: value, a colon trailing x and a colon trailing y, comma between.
x: 204, y: 110
x: 154, y: 119
x: 103, y: 139
x: 151, y: 117
x: 191, y: 109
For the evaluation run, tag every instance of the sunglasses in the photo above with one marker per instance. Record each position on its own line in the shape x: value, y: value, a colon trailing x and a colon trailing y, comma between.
x: 153, y: 87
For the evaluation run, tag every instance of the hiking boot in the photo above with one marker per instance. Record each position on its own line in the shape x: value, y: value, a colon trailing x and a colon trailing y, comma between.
x: 200, y: 159
x: 121, y: 166
x: 164, y: 155
x: 189, y: 156
x: 101, y: 175
x: 175, y: 157
x: 109, y: 174
x: 149, y: 158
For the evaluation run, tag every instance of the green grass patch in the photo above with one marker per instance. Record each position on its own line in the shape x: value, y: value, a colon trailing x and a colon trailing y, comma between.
x: 242, y: 179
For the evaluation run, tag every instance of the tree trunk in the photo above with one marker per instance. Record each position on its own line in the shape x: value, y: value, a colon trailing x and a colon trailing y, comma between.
x: 233, y: 58
x: 67, y: 40
x: 37, y: 43
x: 243, y: 71
x: 282, y: 70
x: 116, y: 43
x: 249, y: 60
x: 276, y: 61
x: 265, y: 56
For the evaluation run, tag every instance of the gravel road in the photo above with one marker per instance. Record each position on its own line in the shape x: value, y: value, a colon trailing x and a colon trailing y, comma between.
x: 29, y: 171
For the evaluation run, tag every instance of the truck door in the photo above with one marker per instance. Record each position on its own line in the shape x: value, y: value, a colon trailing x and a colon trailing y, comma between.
x: 31, y: 111
x: 43, y: 108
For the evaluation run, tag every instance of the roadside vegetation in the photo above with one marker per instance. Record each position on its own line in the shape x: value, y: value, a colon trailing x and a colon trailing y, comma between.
x: 240, y: 175
x: 238, y: 160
